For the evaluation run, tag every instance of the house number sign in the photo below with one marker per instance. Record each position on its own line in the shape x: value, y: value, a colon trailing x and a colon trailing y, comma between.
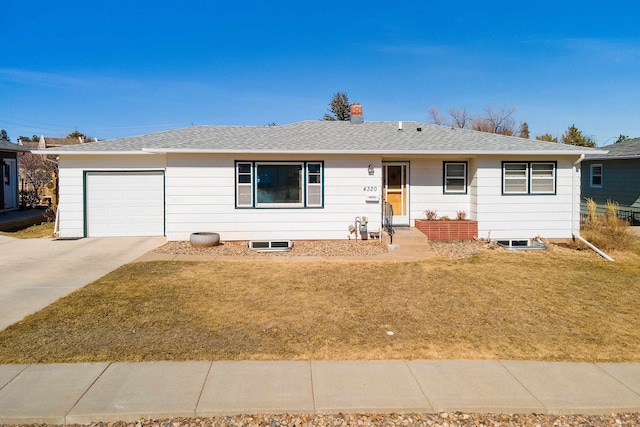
x: 370, y: 189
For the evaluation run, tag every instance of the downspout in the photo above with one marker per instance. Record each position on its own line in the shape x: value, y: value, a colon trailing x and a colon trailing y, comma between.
x: 56, y: 223
x: 576, y: 233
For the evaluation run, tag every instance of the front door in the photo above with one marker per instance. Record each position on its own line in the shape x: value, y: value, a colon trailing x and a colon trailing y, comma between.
x: 395, y: 184
x: 9, y: 184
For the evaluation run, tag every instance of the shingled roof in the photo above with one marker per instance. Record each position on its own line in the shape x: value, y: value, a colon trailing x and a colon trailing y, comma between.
x: 9, y: 146
x: 328, y: 137
x: 629, y: 149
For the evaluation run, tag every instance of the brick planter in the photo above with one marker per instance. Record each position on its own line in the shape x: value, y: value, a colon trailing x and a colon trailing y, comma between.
x: 448, y: 230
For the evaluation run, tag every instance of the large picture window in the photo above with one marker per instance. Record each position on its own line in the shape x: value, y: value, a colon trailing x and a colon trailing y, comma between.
x: 279, y: 184
x: 528, y: 178
x: 455, y: 178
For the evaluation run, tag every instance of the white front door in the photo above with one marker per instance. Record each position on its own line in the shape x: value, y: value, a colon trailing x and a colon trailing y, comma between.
x: 10, y: 184
x: 395, y: 177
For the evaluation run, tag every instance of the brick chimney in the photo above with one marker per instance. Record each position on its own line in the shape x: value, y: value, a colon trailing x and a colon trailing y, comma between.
x: 355, y: 111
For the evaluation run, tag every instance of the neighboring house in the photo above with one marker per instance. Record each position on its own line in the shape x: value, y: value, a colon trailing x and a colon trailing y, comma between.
x: 310, y: 180
x: 614, y: 176
x: 48, y: 142
x: 46, y: 194
x: 9, y: 199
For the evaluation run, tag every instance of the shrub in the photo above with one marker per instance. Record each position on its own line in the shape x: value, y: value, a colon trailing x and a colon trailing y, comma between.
x: 431, y: 215
x: 606, y: 231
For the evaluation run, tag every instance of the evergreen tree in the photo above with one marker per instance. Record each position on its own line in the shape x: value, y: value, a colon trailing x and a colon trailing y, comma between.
x: 3, y: 135
x: 547, y: 137
x: 574, y: 136
x: 338, y: 107
x: 524, y: 130
x: 75, y: 135
x: 622, y: 138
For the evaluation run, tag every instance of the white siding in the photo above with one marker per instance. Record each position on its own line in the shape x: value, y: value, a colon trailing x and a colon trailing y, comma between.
x: 427, y: 189
x: 200, y: 194
x: 523, y: 216
x: 498, y: 215
x: 71, y: 185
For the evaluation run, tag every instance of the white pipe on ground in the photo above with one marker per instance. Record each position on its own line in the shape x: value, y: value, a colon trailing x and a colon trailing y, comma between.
x: 598, y: 251
x: 576, y: 234
x: 56, y: 223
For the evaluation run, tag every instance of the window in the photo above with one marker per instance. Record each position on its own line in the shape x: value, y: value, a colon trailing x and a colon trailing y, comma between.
x: 515, y: 178
x: 279, y: 184
x: 7, y: 173
x: 455, y: 178
x: 528, y: 178
x: 543, y: 178
x: 596, y: 176
x: 244, y: 185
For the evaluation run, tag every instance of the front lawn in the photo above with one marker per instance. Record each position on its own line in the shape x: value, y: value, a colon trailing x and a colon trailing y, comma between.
x: 32, y: 232
x: 559, y: 304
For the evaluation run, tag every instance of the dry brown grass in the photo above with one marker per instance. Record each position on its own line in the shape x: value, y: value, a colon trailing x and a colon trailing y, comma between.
x: 554, y: 305
x: 32, y: 232
x: 606, y: 231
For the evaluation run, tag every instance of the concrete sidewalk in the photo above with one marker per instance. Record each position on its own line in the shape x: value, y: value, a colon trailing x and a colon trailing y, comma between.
x: 91, y: 392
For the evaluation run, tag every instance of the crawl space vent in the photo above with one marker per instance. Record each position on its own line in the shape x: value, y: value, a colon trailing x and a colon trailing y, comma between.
x: 271, y: 245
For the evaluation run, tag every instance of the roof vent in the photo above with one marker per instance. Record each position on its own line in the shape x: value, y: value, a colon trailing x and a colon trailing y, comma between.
x: 355, y: 113
x: 419, y: 129
x: 399, y: 125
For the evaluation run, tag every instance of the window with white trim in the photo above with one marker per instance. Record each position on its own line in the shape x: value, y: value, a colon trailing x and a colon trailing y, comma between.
x: 596, y: 176
x: 543, y: 178
x: 528, y: 178
x: 279, y: 184
x: 455, y: 178
x: 515, y: 177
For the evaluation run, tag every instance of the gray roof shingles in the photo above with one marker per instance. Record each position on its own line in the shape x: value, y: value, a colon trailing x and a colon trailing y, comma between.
x: 325, y: 137
x: 10, y: 146
x: 629, y: 149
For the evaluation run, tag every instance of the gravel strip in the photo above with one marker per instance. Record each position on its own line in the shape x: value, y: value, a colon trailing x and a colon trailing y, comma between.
x: 323, y: 248
x: 444, y: 419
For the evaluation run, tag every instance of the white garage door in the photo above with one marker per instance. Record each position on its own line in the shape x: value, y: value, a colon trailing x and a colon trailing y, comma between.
x: 125, y: 204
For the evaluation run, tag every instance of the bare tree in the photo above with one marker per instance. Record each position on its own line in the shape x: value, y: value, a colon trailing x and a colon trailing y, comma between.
x: 482, y: 124
x: 37, y: 171
x: 436, y: 117
x: 460, y: 117
x: 500, y: 120
x: 494, y: 121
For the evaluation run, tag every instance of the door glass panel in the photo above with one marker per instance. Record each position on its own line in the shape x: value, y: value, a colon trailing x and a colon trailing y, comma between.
x: 395, y: 186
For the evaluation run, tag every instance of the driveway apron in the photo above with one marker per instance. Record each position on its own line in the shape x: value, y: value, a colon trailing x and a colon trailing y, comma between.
x: 36, y: 272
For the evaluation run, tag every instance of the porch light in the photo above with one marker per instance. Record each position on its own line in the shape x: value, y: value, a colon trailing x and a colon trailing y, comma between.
x: 370, y: 169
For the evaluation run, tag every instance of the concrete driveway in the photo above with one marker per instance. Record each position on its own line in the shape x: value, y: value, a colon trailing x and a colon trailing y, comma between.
x: 36, y: 272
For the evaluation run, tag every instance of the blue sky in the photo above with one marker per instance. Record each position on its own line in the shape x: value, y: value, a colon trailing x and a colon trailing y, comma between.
x: 120, y: 68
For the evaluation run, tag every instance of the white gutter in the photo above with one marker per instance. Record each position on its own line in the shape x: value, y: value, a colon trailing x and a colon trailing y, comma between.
x: 576, y: 233
x: 598, y: 251
x: 140, y: 151
x: 362, y: 152
x: 89, y: 153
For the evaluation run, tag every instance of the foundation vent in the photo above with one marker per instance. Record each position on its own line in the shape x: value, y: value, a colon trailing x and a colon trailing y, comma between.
x: 271, y: 245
